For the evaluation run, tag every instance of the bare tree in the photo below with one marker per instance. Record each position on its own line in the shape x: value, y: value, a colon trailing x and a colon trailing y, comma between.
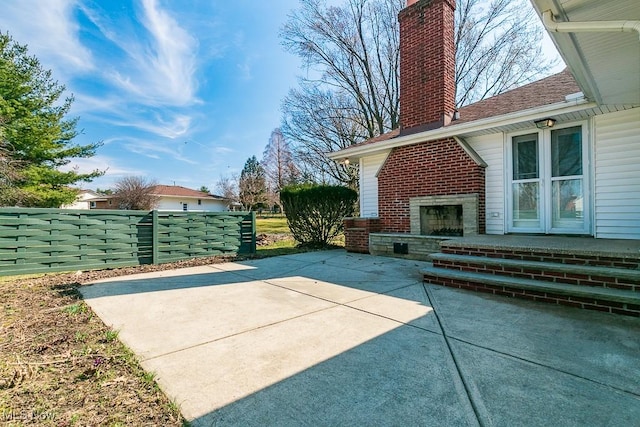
x: 279, y: 166
x: 227, y: 187
x: 498, y: 47
x: 351, y: 56
x: 321, y: 122
x: 135, y: 192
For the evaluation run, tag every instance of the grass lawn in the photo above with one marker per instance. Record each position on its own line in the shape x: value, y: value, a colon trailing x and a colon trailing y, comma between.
x: 275, y: 225
x: 282, y: 243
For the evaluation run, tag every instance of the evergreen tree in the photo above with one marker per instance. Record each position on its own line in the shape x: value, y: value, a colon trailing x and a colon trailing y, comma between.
x: 36, y: 137
x: 252, y: 185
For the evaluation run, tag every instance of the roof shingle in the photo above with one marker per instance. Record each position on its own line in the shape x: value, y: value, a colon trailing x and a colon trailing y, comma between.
x: 549, y: 90
x: 176, y: 190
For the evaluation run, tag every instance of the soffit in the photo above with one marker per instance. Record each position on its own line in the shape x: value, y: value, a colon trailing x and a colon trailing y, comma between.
x: 606, y: 65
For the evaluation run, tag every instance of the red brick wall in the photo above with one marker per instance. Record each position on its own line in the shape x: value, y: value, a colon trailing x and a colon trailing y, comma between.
x: 356, y: 233
x: 629, y: 262
x: 433, y: 168
x: 427, y: 63
x: 532, y: 295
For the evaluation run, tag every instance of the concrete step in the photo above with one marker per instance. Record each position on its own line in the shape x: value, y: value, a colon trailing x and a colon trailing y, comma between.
x: 620, y: 278
x: 595, y: 298
x: 591, y: 252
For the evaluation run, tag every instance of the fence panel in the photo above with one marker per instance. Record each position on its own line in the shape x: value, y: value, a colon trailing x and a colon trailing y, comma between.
x: 48, y: 240
x: 183, y: 235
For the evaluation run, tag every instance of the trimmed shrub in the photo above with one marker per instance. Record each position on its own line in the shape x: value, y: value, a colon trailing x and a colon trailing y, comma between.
x: 315, y: 213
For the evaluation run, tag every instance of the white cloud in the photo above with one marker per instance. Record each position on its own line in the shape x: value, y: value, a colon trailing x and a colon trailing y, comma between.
x: 174, y: 54
x: 98, y: 162
x: 222, y: 150
x: 156, y: 150
x: 160, y: 60
x: 245, y: 70
x: 85, y: 103
x: 174, y: 127
x: 51, y: 33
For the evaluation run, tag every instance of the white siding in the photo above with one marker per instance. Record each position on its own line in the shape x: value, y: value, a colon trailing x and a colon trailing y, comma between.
x: 81, y: 202
x: 369, y: 167
x: 490, y: 149
x: 617, y: 175
x: 167, y: 203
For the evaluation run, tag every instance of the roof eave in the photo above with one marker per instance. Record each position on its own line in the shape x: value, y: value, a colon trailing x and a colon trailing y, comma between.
x: 189, y: 197
x: 465, y: 128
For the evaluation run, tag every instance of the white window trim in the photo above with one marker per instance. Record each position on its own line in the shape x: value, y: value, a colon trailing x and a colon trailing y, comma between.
x: 544, y: 136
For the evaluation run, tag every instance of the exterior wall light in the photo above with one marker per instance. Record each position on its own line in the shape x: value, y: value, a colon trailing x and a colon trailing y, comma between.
x: 545, y: 123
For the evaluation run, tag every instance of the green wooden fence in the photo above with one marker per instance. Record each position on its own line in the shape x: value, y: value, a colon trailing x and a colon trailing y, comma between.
x: 48, y: 240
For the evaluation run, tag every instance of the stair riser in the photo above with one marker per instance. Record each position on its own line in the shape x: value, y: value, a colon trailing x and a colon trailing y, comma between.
x: 575, y: 259
x: 547, y: 276
x: 559, y: 299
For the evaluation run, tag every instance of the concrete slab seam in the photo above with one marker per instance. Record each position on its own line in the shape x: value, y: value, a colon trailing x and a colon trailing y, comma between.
x: 479, y: 410
x: 240, y: 333
x: 542, y: 365
x: 345, y: 305
x: 529, y: 361
x: 347, y: 302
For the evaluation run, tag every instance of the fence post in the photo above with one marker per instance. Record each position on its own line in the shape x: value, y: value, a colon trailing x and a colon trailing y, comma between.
x: 154, y: 237
x: 253, y: 232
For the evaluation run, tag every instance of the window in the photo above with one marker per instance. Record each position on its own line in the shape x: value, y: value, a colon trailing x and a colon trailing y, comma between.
x: 566, y: 151
x: 92, y: 205
x: 185, y: 207
x: 549, y: 189
x: 199, y: 202
x: 525, y: 156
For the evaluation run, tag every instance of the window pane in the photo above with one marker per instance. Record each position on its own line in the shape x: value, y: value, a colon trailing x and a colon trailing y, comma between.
x: 526, y: 205
x: 525, y: 156
x: 566, y: 151
x: 568, y: 204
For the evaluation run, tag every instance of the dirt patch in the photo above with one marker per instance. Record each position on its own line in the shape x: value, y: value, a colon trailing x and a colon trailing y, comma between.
x: 270, y: 239
x: 60, y: 365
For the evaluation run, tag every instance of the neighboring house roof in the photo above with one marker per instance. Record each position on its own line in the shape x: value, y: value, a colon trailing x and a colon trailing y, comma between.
x: 87, y: 192
x: 178, y: 191
x: 100, y: 198
x: 551, y: 92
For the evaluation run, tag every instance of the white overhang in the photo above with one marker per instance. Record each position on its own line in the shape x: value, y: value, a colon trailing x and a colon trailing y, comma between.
x: 600, y: 43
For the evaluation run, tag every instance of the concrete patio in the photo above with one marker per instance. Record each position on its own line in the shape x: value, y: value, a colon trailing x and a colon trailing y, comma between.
x: 332, y: 338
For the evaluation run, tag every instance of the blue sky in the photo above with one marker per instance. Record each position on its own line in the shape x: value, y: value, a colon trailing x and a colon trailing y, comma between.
x: 178, y: 91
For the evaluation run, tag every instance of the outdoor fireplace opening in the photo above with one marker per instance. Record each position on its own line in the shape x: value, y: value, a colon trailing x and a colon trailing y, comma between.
x: 446, y: 215
x: 443, y: 220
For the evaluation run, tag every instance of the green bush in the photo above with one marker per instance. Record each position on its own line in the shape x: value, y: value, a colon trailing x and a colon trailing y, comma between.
x: 315, y: 213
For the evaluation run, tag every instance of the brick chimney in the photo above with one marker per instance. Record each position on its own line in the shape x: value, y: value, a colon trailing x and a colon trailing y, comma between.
x: 427, y: 65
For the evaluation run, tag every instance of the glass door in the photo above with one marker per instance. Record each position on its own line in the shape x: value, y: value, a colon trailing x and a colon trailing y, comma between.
x: 526, y: 183
x: 567, y: 180
x: 549, y: 187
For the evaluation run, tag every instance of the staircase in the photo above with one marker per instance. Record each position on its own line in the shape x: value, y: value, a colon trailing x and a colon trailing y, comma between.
x: 578, y: 272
